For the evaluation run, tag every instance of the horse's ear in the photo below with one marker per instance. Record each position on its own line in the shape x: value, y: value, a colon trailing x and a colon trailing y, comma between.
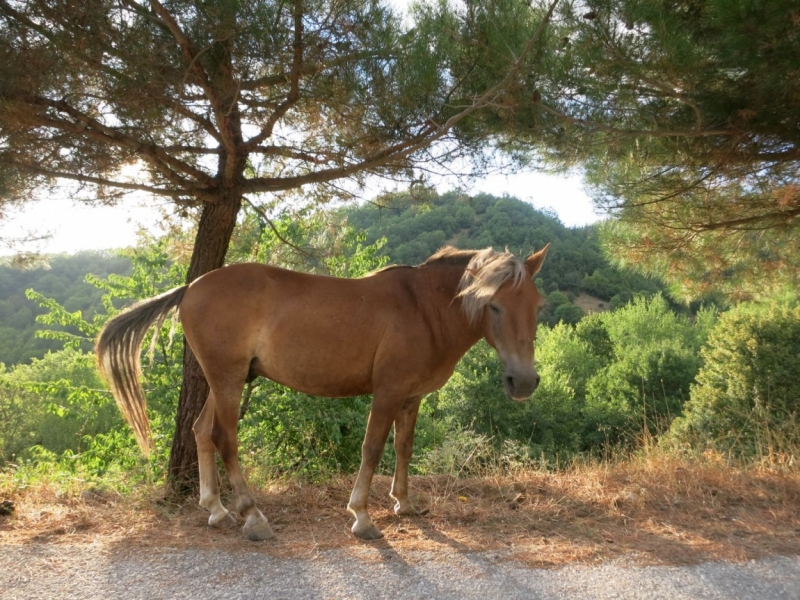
x: 535, y: 260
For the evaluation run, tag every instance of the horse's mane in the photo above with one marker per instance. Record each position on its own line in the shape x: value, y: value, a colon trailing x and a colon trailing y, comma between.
x: 448, y: 255
x: 485, y: 271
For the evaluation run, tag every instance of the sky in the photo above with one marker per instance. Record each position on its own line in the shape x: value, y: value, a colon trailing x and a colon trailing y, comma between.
x: 73, y: 227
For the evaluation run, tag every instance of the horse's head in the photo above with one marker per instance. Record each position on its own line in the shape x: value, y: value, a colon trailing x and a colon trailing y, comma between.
x: 509, y: 325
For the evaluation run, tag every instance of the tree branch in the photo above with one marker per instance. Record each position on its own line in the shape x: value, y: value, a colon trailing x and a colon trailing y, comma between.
x: 289, y: 152
x: 294, y: 93
x: 192, y: 56
x: 36, y: 170
x: 768, y: 221
x: 636, y: 132
x: 277, y: 233
x: 91, y: 127
x: 431, y: 133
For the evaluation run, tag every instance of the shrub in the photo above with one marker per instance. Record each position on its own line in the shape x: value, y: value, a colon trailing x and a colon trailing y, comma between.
x: 53, y: 403
x: 653, y: 359
x: 474, y: 400
x: 747, y: 396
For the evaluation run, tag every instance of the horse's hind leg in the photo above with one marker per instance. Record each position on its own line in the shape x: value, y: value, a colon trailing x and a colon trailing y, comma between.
x: 404, y: 424
x: 209, y: 487
x: 226, y: 439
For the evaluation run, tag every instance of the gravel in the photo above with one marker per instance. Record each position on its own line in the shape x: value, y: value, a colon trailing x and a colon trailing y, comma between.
x: 87, y: 572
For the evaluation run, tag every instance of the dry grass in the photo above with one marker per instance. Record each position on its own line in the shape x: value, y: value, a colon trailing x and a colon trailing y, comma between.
x: 650, y: 511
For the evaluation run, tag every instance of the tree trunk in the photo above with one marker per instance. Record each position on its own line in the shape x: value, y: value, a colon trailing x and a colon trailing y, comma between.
x: 210, y: 246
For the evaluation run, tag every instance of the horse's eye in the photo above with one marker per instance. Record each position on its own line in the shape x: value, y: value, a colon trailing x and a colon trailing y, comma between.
x: 495, y: 309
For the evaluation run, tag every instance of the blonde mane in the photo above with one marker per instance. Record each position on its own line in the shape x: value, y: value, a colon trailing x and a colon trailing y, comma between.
x: 486, y: 270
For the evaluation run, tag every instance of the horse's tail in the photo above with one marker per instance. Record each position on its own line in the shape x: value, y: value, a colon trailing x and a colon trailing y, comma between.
x: 117, y: 350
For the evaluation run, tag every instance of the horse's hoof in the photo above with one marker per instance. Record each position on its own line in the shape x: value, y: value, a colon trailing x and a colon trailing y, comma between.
x: 259, y: 533
x: 222, y: 520
x: 257, y: 530
x: 409, y: 511
x: 368, y: 533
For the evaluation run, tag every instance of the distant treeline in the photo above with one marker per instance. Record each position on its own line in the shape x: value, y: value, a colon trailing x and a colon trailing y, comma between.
x: 64, y: 279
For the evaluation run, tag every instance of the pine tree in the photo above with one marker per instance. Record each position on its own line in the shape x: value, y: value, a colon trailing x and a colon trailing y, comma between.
x: 683, y: 114
x: 212, y: 103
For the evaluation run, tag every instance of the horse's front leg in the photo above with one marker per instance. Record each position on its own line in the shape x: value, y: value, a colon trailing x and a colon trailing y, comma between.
x: 380, y: 422
x: 404, y: 423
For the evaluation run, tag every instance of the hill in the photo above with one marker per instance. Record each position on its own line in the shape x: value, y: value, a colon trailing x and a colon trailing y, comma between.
x: 575, y: 266
x: 63, y: 280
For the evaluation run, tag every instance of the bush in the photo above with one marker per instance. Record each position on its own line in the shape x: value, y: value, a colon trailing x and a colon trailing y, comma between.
x: 286, y: 432
x: 474, y: 400
x: 747, y: 396
x: 568, y: 313
x: 53, y: 403
x: 653, y: 359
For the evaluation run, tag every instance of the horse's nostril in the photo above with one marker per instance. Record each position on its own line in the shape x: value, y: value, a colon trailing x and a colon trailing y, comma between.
x: 536, y: 381
x: 510, y: 383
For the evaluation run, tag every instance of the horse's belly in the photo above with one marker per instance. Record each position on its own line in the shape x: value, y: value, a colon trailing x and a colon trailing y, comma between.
x: 329, y: 387
x: 315, y: 367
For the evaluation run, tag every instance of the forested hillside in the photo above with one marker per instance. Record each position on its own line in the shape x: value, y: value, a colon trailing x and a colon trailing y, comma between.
x: 415, y: 228
x: 64, y: 280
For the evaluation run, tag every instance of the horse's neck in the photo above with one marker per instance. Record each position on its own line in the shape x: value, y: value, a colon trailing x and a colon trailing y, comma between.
x: 448, y: 322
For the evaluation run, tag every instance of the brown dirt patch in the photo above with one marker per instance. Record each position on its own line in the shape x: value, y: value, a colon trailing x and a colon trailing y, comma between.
x: 590, y: 304
x: 653, y: 512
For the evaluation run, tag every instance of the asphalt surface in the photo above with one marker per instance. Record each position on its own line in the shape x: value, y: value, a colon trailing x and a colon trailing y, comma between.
x: 43, y: 571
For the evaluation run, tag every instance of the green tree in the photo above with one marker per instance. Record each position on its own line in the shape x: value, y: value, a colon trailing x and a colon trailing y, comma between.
x: 685, y: 112
x: 746, y: 401
x: 683, y: 115
x: 568, y: 313
x: 210, y: 104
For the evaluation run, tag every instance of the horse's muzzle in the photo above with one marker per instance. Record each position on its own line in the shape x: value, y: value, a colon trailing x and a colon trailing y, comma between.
x: 520, y: 388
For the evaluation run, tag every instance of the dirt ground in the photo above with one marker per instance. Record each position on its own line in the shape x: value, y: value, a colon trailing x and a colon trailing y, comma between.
x: 659, y: 512
x: 591, y: 304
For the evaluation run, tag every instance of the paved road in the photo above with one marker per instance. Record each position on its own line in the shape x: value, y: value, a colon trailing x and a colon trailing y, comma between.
x: 43, y: 571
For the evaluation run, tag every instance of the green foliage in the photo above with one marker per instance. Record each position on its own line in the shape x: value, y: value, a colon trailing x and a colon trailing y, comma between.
x: 62, y: 280
x: 645, y: 380
x: 285, y: 432
x: 53, y: 403
x: 746, y: 401
x: 568, y: 313
x: 57, y: 407
x: 474, y: 400
x: 308, y: 240
x: 607, y: 381
x: 415, y: 228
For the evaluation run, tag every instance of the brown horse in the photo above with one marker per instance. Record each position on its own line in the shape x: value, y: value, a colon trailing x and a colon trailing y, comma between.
x: 397, y: 334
